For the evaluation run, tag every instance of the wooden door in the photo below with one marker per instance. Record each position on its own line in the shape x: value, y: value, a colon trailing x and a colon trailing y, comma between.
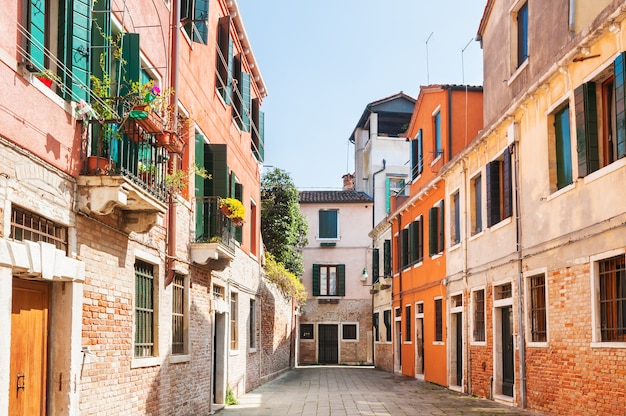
x: 328, y: 352
x: 29, y: 346
x: 508, y: 372
x: 459, y: 348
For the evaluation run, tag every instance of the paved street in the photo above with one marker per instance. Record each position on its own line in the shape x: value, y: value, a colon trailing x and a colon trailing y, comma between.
x: 352, y: 391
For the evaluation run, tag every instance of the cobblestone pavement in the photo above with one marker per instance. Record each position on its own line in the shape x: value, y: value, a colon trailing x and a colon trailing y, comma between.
x: 352, y: 391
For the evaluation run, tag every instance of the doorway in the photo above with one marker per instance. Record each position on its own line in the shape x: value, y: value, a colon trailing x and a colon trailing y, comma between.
x: 328, y: 347
x: 219, y: 359
x: 508, y: 371
x: 419, y: 347
x: 29, y: 348
x: 458, y: 350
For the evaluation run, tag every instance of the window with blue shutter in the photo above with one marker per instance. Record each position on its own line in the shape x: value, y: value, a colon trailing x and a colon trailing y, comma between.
x: 257, y: 133
x: 76, y: 59
x: 563, y: 148
x: 194, y: 15
x: 522, y: 34
x: 619, y: 72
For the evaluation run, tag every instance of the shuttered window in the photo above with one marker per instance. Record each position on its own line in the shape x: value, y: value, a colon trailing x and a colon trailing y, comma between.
x: 387, y: 320
x: 619, y: 71
x: 376, y: 324
x: 224, y: 59
x: 329, y: 280
x: 435, y: 229
x: 522, y: 34
x: 476, y: 205
x: 328, y: 224
x: 375, y: 265
x: 499, y: 189
x: 438, y: 320
x: 194, y: 14
x: 586, y: 129
x: 387, y: 258
x: 417, y: 155
x: 455, y: 223
x: 563, y: 148
x: 257, y: 130
x: 404, y: 246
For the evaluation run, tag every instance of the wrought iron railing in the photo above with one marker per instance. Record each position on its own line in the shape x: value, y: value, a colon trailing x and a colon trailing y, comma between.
x: 212, y: 225
x: 123, y: 150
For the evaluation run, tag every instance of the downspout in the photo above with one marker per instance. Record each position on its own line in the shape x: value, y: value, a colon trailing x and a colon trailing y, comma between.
x: 449, y: 124
x: 171, y: 199
x: 520, y: 281
x: 465, y: 284
x: 572, y: 14
x: 374, y: 192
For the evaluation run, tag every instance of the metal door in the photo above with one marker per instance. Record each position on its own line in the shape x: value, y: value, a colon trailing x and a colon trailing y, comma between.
x: 328, y: 352
x: 508, y: 372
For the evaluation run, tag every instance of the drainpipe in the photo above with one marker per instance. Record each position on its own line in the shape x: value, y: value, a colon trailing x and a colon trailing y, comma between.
x: 572, y: 13
x: 449, y: 123
x: 520, y: 282
x: 464, y: 240
x: 374, y: 192
x: 171, y: 217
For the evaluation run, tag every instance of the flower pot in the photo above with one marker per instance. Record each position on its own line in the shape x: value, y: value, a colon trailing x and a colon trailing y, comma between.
x: 46, y: 81
x: 170, y: 141
x: 148, y: 120
x: 237, y: 222
x: 99, y: 165
x: 225, y: 210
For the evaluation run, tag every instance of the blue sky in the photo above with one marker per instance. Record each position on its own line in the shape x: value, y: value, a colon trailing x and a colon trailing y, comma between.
x: 323, y: 61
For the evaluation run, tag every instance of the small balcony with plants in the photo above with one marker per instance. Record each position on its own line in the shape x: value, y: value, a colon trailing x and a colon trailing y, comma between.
x: 217, y: 221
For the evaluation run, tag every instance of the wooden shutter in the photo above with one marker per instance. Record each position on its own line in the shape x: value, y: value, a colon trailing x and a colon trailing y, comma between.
x: 420, y: 152
x: 131, y: 65
x: 215, y: 162
x: 375, y: 265
x: 388, y: 195
x: 244, y: 109
x: 563, y: 148
x: 420, y: 239
x: 37, y: 29
x: 493, y: 192
x: 619, y: 69
x: 239, y: 195
x: 387, y: 258
x: 200, y: 15
x: 441, y: 230
x: 77, y: 53
x: 586, y: 129
x: 414, y: 242
x: 341, y: 280
x: 432, y: 230
x: 414, y: 158
x: 224, y: 58
x: 257, y: 133
x: 327, y: 224
x: 507, y: 186
x: 316, y: 279
x: 404, y: 246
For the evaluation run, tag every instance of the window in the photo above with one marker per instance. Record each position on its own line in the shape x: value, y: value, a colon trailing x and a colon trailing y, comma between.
x: 479, y: 315
x: 387, y: 258
x: 499, y: 189
x: 179, y: 315
x: 375, y: 265
x: 225, y: 46
x: 404, y: 246
x: 562, y: 149
x: 258, y: 130
x: 438, y: 320
x: 144, y: 310
x: 537, y: 308
x: 435, y: 229
x: 413, y: 247
x: 387, y: 320
x: 349, y: 332
x: 455, y: 223
x: 612, y: 282
x: 241, y: 95
x: 477, y: 205
x: 328, y: 224
x: 194, y: 15
x: 55, y: 37
x: 234, y: 316
x: 329, y: 280
x: 600, y: 128
x: 306, y: 331
x: 252, y: 323
x: 26, y: 225
x: 520, y: 34
x: 417, y: 155
x: 437, y: 135
x: 394, y: 186
x: 407, y: 323
x: 376, y: 324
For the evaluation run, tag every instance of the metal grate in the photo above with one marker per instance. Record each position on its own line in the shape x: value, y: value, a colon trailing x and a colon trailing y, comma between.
x: 538, y: 308
x: 613, y: 298
x: 479, y: 315
x: 178, y: 315
x: 144, y: 309
x: 26, y: 225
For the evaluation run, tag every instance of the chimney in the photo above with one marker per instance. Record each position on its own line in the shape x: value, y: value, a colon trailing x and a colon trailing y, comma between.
x: 348, y: 182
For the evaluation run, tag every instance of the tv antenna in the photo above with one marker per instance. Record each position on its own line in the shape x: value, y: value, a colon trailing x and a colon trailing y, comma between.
x: 427, y: 73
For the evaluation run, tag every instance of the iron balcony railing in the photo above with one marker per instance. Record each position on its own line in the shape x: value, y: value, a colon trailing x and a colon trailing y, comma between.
x: 212, y: 225
x: 124, y: 150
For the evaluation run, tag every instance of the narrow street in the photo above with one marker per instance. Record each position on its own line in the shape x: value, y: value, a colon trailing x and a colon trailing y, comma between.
x: 350, y: 391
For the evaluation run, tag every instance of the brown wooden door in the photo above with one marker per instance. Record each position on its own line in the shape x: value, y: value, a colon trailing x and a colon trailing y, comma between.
x: 29, y: 346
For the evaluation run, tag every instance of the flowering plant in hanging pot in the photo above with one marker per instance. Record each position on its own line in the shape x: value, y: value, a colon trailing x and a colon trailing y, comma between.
x: 233, y: 209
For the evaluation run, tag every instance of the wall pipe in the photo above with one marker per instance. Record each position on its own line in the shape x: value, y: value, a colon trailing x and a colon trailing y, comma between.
x: 374, y: 192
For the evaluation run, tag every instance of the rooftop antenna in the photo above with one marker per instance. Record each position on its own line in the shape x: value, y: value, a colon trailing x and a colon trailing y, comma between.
x: 427, y: 73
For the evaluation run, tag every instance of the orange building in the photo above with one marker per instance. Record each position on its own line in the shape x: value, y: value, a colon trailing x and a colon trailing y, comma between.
x: 445, y: 119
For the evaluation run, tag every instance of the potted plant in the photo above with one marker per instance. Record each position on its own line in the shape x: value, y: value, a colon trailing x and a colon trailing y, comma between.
x: 177, y: 181
x: 233, y: 209
x: 47, y: 77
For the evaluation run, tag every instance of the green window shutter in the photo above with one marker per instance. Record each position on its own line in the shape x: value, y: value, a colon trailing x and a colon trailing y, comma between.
x: 257, y: 129
x: 215, y: 162
x: 507, y: 186
x: 441, y: 241
x: 77, y: 54
x: 37, y: 29
x: 100, y: 36
x: 131, y: 65
x: 420, y: 152
x: 619, y: 70
x: 587, y: 129
x: 387, y: 258
x: 404, y: 246
x: 413, y: 242
x: 563, y: 148
x: 200, y: 15
x: 388, y: 195
x: 341, y: 280
x: 493, y: 192
x: 200, y: 162
x: 224, y: 58
x: 316, y: 280
x: 239, y: 196
x: 415, y: 157
x: 420, y: 239
x: 433, y: 223
x: 245, y: 101
x: 327, y: 224
x: 375, y: 265
x: 261, y: 128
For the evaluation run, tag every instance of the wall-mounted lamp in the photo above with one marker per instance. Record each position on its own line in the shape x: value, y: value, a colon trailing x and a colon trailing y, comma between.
x: 364, y: 275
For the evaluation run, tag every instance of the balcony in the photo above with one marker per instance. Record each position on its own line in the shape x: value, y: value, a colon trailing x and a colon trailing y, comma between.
x: 124, y: 172
x: 214, y: 244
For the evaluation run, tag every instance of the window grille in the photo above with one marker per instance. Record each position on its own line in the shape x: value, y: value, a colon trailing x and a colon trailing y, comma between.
x: 612, y: 273
x: 479, y: 315
x: 144, y: 309
x: 538, y: 308
x: 29, y: 226
x: 178, y: 315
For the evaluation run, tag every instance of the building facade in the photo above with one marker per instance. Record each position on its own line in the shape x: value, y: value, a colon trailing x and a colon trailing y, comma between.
x: 335, y: 324
x: 120, y: 139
